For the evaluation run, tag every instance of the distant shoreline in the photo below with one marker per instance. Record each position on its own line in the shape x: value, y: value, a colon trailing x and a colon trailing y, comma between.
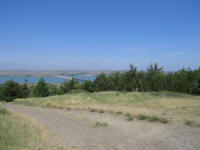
x: 64, y: 77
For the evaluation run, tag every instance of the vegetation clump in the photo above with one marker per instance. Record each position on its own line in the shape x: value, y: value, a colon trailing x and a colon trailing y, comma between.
x: 142, y: 117
x: 101, y: 124
x: 11, y: 90
x: 93, y: 110
x: 129, y: 117
x: 101, y: 111
x: 152, y: 118
x: 192, y: 123
x: 119, y: 112
x: 41, y: 89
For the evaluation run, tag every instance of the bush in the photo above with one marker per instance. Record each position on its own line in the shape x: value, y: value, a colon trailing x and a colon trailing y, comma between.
x: 41, y: 89
x: 101, y: 124
x: 10, y: 91
x: 69, y: 85
x: 102, y: 83
x: 88, y: 86
x: 25, y: 91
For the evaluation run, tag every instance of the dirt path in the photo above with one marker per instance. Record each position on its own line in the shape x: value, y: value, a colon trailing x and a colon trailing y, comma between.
x: 76, y: 128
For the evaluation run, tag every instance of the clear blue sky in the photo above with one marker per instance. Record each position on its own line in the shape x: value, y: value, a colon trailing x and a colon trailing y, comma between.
x: 99, y: 34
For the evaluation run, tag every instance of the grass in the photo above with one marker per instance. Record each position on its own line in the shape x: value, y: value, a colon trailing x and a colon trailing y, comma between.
x: 22, y: 133
x: 172, y: 106
x: 16, y: 132
x: 192, y: 123
x: 3, y: 111
x: 119, y: 113
x: 128, y: 116
x: 142, y: 117
x: 152, y: 118
x: 93, y: 110
x: 157, y: 119
x: 101, y: 111
x: 101, y: 124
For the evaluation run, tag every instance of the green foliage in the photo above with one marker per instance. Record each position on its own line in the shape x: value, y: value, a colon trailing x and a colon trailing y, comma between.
x: 101, y: 111
x: 88, y: 86
x: 25, y: 91
x: 128, y: 116
x: 152, y: 118
x: 192, y: 123
x: 69, y: 85
x: 154, y: 79
x: 142, y: 117
x: 93, y: 110
x: 102, y: 83
x: 12, y: 90
x: 119, y: 112
x: 101, y: 124
x: 54, y: 90
x: 41, y: 89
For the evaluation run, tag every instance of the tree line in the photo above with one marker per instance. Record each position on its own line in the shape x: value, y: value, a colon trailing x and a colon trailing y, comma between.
x: 153, y: 79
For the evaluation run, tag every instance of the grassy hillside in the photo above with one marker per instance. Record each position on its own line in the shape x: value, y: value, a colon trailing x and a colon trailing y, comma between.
x: 173, y: 106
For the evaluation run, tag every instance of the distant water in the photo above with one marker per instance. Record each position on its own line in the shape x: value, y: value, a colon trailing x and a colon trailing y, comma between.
x: 48, y: 79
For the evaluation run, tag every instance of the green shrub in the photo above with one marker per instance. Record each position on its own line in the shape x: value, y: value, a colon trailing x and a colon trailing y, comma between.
x: 119, y: 112
x: 152, y: 118
x: 101, y: 124
x: 157, y: 119
x: 142, y: 117
x: 10, y: 91
x: 101, y: 111
x: 93, y: 110
x: 41, y: 89
x: 128, y: 116
x: 192, y: 123
x: 69, y: 85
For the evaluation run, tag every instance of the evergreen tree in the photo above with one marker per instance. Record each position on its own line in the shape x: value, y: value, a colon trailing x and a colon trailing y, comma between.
x: 10, y: 91
x: 88, y: 86
x: 25, y: 91
x: 102, y: 83
x: 41, y: 89
x: 155, y: 78
x: 69, y: 85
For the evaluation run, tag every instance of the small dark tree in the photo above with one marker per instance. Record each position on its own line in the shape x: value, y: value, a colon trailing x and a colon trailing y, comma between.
x: 102, y: 83
x: 155, y: 78
x: 114, y: 79
x: 88, y: 86
x: 10, y: 91
x: 41, y: 89
x: 69, y: 85
x: 25, y: 91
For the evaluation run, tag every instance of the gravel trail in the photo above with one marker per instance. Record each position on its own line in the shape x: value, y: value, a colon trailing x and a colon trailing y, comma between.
x: 76, y: 128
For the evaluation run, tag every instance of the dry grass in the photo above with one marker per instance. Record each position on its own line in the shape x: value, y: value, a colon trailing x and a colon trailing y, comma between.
x: 22, y: 133
x: 173, y: 106
x: 16, y: 132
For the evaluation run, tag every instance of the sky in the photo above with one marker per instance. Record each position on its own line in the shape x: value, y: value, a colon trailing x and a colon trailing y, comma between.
x: 99, y: 34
